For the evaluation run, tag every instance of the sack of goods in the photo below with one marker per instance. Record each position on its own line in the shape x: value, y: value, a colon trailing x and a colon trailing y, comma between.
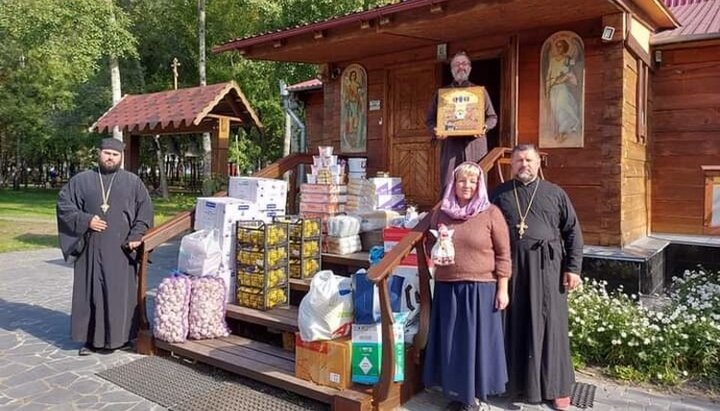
x: 207, y: 309
x: 172, y: 303
x: 326, y: 311
x: 200, y: 253
x: 342, y: 245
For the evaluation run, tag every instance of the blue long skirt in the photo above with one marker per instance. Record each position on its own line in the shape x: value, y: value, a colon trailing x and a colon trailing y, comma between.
x: 465, y: 353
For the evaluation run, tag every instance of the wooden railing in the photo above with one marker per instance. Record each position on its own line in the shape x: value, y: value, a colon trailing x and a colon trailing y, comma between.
x: 495, y: 159
x: 179, y: 224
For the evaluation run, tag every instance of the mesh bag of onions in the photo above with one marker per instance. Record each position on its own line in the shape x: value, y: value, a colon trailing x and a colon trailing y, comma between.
x: 172, y: 301
x: 207, y: 308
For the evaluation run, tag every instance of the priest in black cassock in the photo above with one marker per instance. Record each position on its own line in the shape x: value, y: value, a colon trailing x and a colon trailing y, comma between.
x: 102, y: 215
x: 547, y: 249
x: 458, y: 149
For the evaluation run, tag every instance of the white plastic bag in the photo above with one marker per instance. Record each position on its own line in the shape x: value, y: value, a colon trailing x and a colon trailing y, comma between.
x: 326, y: 311
x: 200, y: 253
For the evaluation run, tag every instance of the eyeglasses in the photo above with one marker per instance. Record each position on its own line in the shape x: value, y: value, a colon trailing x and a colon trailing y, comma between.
x: 460, y: 63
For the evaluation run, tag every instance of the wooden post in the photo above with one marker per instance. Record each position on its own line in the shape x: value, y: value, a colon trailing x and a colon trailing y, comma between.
x: 420, y: 339
x: 220, y: 145
x: 387, y: 370
x: 145, y: 344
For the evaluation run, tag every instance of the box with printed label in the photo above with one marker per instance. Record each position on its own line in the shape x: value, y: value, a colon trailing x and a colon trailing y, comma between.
x: 266, y: 193
x: 324, y: 362
x: 222, y: 213
x: 367, y: 351
x: 324, y: 188
x: 386, y: 185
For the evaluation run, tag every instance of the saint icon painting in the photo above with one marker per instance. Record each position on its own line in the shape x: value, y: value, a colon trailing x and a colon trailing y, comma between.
x: 562, y: 89
x: 353, y: 111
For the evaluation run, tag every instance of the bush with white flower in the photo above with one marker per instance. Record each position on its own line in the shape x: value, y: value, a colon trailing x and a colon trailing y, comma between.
x: 634, y: 342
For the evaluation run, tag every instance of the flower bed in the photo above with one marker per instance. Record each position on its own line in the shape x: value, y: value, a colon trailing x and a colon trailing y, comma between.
x: 678, y: 342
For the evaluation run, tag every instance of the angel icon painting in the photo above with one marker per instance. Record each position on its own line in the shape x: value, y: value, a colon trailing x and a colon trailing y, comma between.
x: 562, y: 86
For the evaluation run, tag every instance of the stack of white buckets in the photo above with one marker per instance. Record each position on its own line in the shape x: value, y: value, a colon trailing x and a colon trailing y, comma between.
x: 357, y: 168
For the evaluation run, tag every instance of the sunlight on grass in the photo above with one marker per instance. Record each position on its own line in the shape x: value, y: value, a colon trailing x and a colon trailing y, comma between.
x: 27, y: 217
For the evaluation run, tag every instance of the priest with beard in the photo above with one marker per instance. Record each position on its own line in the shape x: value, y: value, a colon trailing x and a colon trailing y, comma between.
x: 102, y: 215
x: 547, y: 248
x: 458, y: 149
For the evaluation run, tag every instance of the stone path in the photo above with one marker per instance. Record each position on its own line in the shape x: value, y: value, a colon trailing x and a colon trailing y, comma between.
x: 40, y: 369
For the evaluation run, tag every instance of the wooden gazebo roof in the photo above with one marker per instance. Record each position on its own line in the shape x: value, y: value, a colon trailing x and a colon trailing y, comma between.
x: 188, y: 110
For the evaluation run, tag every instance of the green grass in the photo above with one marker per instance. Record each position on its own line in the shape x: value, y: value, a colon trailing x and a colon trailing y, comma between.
x: 27, y: 217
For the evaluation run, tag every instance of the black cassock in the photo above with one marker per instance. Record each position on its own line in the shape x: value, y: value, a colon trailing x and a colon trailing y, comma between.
x: 104, y: 300
x: 536, y: 323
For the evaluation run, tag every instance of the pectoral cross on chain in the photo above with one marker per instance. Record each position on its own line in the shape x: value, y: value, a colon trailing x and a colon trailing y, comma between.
x: 521, y: 228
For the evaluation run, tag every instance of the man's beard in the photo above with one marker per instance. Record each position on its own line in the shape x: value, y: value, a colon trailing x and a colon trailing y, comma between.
x: 525, y: 177
x: 461, y: 77
x: 104, y: 168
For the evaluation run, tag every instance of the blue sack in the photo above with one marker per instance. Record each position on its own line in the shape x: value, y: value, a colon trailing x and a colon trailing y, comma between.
x: 367, y: 298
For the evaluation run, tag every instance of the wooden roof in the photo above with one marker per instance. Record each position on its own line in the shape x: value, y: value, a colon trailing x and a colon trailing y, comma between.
x: 312, y: 84
x: 186, y: 110
x: 416, y: 23
x: 700, y: 20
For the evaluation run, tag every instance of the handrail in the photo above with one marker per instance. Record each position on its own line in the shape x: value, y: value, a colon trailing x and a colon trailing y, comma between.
x: 380, y: 273
x: 179, y: 224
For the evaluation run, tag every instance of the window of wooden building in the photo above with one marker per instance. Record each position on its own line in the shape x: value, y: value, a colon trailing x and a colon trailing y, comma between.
x: 712, y: 200
x: 642, y: 101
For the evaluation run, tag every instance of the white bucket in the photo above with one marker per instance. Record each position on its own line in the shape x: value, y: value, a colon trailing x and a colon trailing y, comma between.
x: 356, y: 175
x: 357, y: 165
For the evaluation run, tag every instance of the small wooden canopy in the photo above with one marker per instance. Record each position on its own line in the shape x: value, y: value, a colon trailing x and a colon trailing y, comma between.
x: 188, y: 110
x: 416, y: 23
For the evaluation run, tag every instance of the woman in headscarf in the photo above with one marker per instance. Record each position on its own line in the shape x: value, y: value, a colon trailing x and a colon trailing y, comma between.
x: 465, y: 354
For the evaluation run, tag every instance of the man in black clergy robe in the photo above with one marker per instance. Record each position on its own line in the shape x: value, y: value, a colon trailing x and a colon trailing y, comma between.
x: 457, y: 149
x: 102, y: 215
x: 547, y: 249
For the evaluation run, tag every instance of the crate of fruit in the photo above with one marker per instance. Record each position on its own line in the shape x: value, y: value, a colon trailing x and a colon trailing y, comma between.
x: 259, y: 235
x: 300, y: 228
x: 304, y: 268
x: 262, y: 261
x: 273, y: 278
x: 309, y: 248
x: 262, y: 299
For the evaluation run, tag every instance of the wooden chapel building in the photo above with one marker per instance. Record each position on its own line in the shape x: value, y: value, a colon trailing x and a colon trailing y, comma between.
x: 405, y: 47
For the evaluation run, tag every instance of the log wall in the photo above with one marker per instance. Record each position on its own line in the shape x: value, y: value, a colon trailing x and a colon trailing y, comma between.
x: 685, y: 92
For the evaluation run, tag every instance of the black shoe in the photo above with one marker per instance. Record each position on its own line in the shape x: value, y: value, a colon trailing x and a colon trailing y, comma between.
x: 85, y: 350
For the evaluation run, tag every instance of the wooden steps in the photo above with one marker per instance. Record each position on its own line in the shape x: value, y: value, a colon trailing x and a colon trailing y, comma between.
x: 281, y: 318
x: 265, y: 363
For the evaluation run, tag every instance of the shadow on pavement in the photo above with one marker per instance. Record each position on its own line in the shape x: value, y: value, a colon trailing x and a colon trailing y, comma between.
x: 48, y: 325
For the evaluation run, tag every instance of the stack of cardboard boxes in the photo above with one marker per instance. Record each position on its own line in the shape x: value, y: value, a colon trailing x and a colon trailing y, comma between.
x: 249, y: 198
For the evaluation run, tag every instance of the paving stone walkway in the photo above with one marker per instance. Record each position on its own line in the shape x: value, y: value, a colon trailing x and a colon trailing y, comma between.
x: 40, y: 369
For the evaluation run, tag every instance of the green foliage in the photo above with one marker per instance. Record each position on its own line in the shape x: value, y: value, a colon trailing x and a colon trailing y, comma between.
x: 51, y: 49
x: 54, y: 75
x: 637, y: 343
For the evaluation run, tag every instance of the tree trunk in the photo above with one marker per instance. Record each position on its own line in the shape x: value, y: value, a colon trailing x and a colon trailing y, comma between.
x: 206, y: 143
x: 115, y: 79
x: 161, y: 167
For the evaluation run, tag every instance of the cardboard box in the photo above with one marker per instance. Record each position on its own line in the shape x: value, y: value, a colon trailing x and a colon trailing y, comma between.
x: 222, y: 213
x: 324, y: 362
x: 324, y: 188
x: 385, y: 185
x: 265, y: 193
x: 392, y: 236
x: 367, y: 351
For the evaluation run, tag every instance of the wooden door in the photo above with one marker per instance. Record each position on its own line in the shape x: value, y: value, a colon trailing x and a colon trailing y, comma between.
x: 412, y: 155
